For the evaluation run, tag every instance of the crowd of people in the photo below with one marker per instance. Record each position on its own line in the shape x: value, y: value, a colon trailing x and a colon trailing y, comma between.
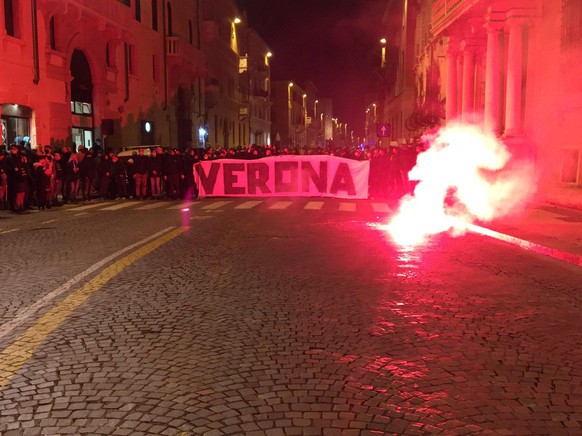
x: 44, y: 178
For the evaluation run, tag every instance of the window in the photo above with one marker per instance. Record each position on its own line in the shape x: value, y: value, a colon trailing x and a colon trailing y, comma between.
x: 126, y: 2
x: 570, y: 159
x: 9, y: 17
x: 107, y: 55
x: 138, y: 10
x: 571, y: 22
x: 155, y: 69
x: 155, y: 15
x: 131, y: 59
x: 170, y: 30
x: 80, y: 108
x: 215, y: 128
x: 52, y: 34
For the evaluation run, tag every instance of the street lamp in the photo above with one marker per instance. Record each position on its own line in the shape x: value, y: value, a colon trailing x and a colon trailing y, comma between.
x: 237, y: 20
x: 290, y: 111
x: 304, y: 102
x: 383, y: 44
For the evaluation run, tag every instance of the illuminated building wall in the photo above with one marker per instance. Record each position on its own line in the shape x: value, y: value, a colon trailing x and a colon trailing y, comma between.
x: 255, y: 85
x: 287, y: 114
x: 83, y: 70
x: 222, y: 43
x: 514, y: 67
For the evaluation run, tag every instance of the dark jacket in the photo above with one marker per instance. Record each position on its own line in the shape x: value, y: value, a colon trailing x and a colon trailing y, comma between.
x: 140, y: 164
x: 118, y: 169
x: 104, y: 167
x: 16, y: 168
x: 172, y: 166
x: 87, y: 167
x: 154, y: 166
x: 71, y: 171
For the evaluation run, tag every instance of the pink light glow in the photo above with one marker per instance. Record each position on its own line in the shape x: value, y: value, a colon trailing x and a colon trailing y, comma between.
x: 185, y: 209
x: 464, y: 176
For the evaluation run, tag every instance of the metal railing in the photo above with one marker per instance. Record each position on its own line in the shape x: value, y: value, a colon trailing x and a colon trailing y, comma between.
x: 445, y: 11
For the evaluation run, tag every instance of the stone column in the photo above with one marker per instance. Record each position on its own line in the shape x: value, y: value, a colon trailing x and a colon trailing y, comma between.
x: 452, y: 82
x: 493, y: 77
x: 468, y: 82
x: 514, y: 92
x: 459, y: 85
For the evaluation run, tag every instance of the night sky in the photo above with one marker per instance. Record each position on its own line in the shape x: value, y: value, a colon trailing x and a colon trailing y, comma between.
x: 333, y: 43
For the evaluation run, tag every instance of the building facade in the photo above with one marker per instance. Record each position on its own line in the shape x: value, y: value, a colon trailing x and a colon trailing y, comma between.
x: 118, y: 71
x: 512, y: 67
x: 222, y: 44
x: 288, y: 114
x: 255, y: 85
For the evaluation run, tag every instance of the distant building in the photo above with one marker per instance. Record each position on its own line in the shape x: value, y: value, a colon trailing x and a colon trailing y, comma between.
x: 325, y: 109
x: 255, y: 85
x: 223, y: 38
x: 287, y: 114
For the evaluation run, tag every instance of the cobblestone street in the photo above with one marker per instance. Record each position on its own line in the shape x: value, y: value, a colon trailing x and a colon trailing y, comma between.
x: 266, y: 320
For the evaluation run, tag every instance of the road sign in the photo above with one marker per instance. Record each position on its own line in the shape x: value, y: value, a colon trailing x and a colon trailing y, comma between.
x: 383, y: 130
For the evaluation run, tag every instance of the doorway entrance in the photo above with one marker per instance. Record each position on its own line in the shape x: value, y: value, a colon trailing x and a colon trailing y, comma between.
x: 81, y: 101
x: 15, y: 124
x: 82, y: 137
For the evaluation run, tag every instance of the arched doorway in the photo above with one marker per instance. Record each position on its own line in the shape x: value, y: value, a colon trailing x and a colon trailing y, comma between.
x: 82, y: 100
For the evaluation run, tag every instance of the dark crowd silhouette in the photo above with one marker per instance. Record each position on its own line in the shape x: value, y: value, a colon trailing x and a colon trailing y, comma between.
x: 44, y: 178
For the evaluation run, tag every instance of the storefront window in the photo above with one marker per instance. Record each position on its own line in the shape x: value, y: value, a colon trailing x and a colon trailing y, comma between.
x: 80, y: 108
x: 570, y: 160
x: 15, y: 124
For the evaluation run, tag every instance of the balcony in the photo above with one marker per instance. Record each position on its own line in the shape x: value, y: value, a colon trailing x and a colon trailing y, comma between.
x: 104, y: 12
x: 181, y: 53
x: 445, y: 12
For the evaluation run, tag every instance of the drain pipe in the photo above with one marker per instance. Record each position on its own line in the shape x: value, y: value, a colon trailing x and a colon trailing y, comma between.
x: 35, y: 58
x: 199, y: 46
x: 165, y: 38
x: 126, y: 62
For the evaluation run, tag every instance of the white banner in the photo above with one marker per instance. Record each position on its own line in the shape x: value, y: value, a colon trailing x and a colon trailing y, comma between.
x: 283, y: 176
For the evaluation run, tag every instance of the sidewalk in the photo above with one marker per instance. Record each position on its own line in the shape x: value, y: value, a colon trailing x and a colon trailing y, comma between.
x: 543, y: 228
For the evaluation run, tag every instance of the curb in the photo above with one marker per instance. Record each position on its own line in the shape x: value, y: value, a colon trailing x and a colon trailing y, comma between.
x: 564, y: 256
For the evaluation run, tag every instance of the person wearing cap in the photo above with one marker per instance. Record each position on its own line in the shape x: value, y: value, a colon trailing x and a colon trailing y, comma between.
x: 43, y: 174
x: 16, y: 169
x: 3, y: 182
x: 140, y: 174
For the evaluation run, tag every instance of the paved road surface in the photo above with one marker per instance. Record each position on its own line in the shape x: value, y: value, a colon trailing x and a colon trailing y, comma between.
x: 278, y: 318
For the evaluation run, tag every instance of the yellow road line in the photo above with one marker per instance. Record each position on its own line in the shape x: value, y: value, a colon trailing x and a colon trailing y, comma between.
x: 21, y: 350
